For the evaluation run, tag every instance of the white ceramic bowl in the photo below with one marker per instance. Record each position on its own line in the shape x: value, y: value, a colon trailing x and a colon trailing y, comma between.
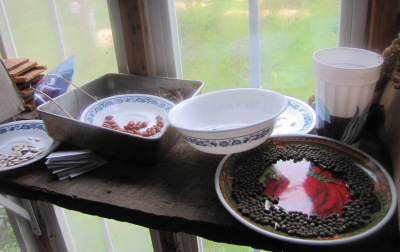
x: 228, y: 121
x: 25, y: 132
x: 129, y: 107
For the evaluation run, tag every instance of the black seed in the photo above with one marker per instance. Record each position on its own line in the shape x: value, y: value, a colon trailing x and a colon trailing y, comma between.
x: 249, y: 192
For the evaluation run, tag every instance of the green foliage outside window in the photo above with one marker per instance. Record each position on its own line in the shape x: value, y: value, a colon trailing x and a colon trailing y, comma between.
x: 8, y: 242
x: 215, y: 44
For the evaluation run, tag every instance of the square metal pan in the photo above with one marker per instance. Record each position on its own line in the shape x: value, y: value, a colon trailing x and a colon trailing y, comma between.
x: 130, y: 147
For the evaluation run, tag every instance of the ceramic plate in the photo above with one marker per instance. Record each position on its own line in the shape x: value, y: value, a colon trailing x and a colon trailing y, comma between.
x: 31, y: 132
x: 128, y: 107
x: 339, y: 180
x: 298, y: 118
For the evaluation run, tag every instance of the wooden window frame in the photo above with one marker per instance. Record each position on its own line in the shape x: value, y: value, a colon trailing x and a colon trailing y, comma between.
x: 135, y: 58
x: 383, y: 24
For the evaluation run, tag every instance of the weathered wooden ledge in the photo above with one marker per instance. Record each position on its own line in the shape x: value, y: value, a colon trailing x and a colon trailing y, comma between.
x: 177, y: 195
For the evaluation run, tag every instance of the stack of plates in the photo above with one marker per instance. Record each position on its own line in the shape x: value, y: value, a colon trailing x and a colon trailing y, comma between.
x: 69, y: 164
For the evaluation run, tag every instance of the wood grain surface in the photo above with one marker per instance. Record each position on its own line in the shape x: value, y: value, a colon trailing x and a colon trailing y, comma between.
x: 176, y: 195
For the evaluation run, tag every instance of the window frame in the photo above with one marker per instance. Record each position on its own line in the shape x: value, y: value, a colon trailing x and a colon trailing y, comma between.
x: 160, y: 43
x: 353, y: 23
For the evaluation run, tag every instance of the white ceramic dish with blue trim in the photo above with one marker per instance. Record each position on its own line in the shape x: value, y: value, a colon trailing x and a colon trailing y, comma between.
x: 128, y: 107
x: 29, y: 132
x: 228, y: 121
x: 298, y: 118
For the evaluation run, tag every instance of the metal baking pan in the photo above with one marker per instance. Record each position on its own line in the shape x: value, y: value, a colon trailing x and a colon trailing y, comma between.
x: 130, y: 147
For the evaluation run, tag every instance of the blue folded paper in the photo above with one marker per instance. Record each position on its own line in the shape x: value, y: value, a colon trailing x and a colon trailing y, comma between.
x: 53, y: 83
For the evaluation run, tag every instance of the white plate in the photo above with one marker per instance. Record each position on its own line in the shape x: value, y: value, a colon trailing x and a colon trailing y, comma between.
x: 128, y: 107
x: 30, y: 132
x: 298, y: 118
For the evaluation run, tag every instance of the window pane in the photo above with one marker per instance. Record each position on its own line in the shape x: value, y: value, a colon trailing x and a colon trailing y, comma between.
x: 87, y: 34
x: 214, y: 42
x: 30, y: 25
x: 210, y: 246
x: 128, y: 237
x: 84, y: 232
x: 8, y: 241
x: 215, y: 45
x: 290, y: 31
x: 85, y: 29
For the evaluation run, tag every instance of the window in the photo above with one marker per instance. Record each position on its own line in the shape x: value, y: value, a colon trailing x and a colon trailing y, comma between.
x: 84, y: 232
x: 8, y: 241
x: 51, y: 31
x: 226, y: 44
x: 267, y: 44
x: 215, y: 45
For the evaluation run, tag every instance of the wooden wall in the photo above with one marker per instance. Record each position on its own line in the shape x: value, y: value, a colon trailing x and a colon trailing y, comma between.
x: 383, y: 29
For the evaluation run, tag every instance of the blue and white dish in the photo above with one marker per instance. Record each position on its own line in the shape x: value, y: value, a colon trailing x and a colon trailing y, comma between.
x: 298, y: 118
x: 228, y: 121
x: 128, y: 107
x: 28, y: 133
x: 231, y: 142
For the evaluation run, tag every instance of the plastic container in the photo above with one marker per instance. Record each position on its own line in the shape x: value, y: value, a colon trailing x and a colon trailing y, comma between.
x: 345, y: 80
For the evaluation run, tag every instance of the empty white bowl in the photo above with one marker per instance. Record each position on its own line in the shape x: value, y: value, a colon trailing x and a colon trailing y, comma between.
x: 228, y: 121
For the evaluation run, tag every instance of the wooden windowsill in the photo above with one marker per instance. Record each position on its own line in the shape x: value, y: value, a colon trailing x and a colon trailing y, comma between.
x: 176, y: 195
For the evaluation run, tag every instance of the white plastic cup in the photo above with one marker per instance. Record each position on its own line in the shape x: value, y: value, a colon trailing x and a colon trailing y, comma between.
x: 345, y: 80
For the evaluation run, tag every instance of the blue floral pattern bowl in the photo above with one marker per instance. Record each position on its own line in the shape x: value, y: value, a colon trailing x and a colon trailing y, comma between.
x: 28, y: 133
x: 128, y: 107
x: 228, y: 121
x: 298, y: 118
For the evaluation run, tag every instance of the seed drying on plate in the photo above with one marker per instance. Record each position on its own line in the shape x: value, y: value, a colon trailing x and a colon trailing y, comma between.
x: 133, y: 128
x: 20, y: 153
x: 340, y: 193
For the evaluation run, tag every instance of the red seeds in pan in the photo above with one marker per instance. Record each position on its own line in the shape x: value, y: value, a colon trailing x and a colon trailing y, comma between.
x: 133, y: 128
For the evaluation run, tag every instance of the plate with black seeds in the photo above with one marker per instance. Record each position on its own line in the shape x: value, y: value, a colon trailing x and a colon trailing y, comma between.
x: 306, y: 189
